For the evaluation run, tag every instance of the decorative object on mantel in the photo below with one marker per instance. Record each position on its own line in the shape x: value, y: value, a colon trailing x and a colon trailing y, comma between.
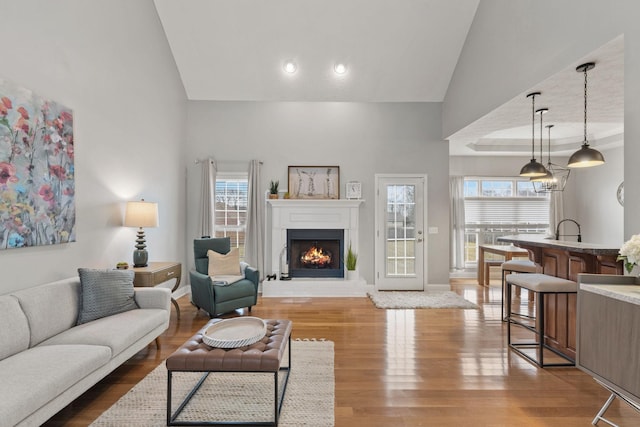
x: 273, y: 189
x: 630, y: 253
x: 37, y: 173
x: 586, y: 156
x: 141, y: 214
x: 533, y: 168
x: 426, y: 299
x: 354, y: 190
x: 314, y: 182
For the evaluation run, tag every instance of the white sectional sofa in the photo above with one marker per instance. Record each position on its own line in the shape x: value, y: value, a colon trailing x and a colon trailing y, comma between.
x: 46, y: 361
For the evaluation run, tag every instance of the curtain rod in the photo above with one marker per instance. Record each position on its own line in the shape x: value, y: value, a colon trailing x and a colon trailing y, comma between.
x: 197, y: 161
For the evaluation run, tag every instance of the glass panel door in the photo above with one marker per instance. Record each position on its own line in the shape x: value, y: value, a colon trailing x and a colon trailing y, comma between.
x: 400, y: 235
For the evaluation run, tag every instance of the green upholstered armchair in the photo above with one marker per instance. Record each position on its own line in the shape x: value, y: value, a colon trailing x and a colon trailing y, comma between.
x: 217, y: 299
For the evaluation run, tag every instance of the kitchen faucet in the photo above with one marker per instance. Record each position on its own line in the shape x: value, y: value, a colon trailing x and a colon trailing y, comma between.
x: 575, y: 222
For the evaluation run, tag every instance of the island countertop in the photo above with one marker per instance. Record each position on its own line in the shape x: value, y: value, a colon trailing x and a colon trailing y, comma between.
x: 626, y: 293
x: 538, y: 240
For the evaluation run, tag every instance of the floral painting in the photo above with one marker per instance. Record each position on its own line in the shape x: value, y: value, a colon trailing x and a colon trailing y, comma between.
x: 37, y: 204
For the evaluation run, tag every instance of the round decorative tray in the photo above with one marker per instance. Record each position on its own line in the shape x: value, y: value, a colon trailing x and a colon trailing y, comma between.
x: 236, y: 332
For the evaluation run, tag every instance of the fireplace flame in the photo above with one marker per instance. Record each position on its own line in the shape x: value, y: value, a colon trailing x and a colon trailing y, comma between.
x: 316, y: 257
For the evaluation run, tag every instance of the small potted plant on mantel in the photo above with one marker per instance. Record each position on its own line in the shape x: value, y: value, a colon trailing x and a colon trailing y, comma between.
x: 273, y: 189
x: 351, y: 263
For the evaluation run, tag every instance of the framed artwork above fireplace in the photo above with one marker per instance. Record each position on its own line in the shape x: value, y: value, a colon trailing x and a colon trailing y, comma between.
x: 314, y: 182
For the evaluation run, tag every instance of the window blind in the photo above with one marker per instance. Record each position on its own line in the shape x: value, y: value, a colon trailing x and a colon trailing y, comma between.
x: 512, y: 210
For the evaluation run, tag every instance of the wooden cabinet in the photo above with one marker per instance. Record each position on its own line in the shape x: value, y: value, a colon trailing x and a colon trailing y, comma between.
x: 157, y: 273
x: 566, y: 260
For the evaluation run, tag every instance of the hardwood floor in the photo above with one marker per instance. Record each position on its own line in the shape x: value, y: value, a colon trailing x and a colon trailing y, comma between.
x: 444, y: 367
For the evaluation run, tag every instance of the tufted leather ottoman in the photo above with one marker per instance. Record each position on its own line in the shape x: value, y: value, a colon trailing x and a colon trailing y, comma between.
x: 265, y: 356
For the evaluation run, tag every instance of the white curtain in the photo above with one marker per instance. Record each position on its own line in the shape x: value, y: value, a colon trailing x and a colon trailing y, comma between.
x: 254, y: 238
x: 207, y: 198
x: 457, y: 222
x: 556, y: 211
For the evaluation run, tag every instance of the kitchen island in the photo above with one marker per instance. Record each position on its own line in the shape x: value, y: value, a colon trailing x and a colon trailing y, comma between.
x: 566, y: 260
x: 608, y: 339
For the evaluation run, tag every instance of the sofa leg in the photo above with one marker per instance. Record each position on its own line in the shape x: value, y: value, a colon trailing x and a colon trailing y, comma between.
x: 158, y: 343
x: 250, y: 308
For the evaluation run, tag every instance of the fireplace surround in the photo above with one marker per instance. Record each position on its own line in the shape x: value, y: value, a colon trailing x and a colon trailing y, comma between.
x: 284, y: 215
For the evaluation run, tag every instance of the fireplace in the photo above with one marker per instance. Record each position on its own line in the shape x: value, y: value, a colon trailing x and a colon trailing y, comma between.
x: 286, y: 215
x: 315, y: 252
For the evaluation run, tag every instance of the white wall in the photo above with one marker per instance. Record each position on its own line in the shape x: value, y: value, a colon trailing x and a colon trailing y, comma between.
x: 486, y: 165
x: 109, y: 61
x: 508, y: 36
x: 597, y: 208
x: 362, y: 138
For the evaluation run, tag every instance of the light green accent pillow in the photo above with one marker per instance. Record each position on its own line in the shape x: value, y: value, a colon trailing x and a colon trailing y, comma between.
x: 104, y: 293
x: 224, y: 265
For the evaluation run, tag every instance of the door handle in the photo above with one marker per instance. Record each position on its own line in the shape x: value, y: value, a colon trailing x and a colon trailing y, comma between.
x: 419, y: 239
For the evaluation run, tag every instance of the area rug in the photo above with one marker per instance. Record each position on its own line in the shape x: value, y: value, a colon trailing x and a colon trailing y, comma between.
x: 225, y: 397
x: 412, y: 299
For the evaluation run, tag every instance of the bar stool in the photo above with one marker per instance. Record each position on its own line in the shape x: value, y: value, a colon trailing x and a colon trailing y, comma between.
x: 541, y: 285
x: 517, y: 266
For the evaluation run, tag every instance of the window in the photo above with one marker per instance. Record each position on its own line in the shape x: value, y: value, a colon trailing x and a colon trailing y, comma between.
x: 497, y: 207
x: 231, y: 208
x: 401, y: 227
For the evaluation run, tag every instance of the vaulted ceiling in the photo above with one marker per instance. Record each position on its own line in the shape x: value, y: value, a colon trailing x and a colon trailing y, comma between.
x: 395, y: 51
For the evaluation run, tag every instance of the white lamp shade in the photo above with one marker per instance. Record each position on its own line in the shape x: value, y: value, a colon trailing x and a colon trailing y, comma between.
x: 141, y: 214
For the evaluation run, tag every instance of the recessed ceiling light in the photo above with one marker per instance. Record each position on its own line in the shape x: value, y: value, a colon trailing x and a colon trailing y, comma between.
x: 340, y: 68
x: 290, y: 67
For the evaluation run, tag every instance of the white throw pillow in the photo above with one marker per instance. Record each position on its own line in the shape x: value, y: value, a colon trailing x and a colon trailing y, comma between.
x: 224, y: 265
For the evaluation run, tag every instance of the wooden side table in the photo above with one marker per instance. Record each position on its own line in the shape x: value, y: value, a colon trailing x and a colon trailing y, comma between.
x: 159, y: 272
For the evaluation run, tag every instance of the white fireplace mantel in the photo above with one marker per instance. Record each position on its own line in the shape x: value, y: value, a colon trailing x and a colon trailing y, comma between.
x: 285, y: 214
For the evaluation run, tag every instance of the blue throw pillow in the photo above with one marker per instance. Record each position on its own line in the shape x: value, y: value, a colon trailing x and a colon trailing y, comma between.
x: 105, y: 292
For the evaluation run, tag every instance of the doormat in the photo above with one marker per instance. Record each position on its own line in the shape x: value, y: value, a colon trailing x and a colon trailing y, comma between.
x: 411, y: 299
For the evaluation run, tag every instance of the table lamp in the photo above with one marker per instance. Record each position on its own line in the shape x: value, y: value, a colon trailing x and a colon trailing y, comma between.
x: 141, y: 214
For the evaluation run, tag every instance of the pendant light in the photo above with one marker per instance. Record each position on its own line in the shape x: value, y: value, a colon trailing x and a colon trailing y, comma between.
x: 547, y: 176
x: 533, y: 168
x: 586, y: 156
x: 542, y: 111
x: 557, y: 177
